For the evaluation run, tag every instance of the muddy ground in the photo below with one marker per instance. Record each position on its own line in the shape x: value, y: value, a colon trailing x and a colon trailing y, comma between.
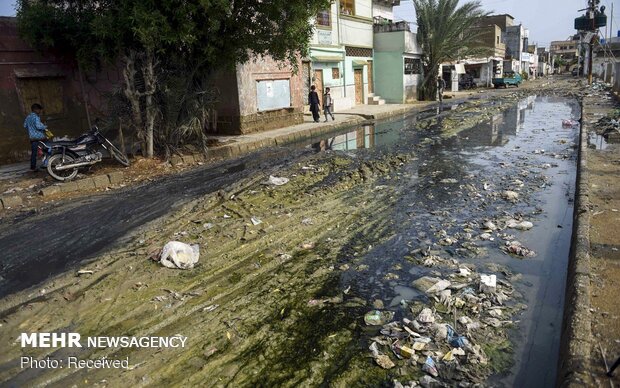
x: 287, y: 274
x: 604, y: 182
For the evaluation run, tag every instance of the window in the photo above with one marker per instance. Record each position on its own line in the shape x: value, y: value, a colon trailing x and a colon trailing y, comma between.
x: 413, y: 66
x: 335, y: 73
x: 324, y: 18
x: 497, y: 39
x: 347, y: 7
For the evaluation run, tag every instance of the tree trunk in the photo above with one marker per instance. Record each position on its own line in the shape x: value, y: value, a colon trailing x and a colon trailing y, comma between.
x: 429, y: 83
x: 148, y: 71
x: 132, y: 94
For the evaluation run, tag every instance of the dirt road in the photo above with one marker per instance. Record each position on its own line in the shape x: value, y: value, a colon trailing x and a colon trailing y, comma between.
x: 288, y: 274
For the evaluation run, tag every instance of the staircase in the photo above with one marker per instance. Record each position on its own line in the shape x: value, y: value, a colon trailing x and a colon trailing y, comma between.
x: 375, y: 100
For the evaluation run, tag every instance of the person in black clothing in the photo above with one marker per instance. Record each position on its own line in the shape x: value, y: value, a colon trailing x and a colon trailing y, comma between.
x: 313, y: 100
x: 441, y: 85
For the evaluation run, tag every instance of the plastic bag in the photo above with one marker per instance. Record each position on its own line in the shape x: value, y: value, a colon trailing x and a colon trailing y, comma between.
x: 176, y: 254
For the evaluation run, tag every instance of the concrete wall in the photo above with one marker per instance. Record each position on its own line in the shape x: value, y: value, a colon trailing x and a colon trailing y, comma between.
x: 356, y: 32
x: 514, y: 41
x: 237, y: 109
x: 502, y: 21
x: 389, y: 81
x: 383, y: 10
x: 411, y: 83
x: 327, y: 36
x: 21, y: 67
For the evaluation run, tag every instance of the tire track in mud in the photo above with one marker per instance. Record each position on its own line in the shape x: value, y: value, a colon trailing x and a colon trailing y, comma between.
x: 41, y: 246
x: 132, y: 313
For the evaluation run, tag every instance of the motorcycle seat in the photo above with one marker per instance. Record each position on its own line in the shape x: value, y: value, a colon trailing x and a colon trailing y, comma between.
x: 57, y: 143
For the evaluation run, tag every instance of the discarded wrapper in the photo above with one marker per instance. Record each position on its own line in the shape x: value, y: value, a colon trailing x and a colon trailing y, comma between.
x: 176, y: 254
x: 430, y: 367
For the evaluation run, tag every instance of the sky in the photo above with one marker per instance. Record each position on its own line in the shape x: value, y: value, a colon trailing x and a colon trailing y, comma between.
x: 547, y: 20
x: 7, y: 7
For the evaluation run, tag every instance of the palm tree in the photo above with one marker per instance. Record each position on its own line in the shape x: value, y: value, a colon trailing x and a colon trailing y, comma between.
x: 445, y: 33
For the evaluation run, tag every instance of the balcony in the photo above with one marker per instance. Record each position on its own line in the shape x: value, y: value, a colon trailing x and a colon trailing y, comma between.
x: 384, y: 25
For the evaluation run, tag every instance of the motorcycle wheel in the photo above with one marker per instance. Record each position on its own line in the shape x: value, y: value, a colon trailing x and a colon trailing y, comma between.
x: 118, y: 155
x: 62, y: 175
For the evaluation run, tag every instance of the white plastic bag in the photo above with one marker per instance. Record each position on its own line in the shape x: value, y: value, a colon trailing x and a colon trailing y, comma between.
x: 176, y: 254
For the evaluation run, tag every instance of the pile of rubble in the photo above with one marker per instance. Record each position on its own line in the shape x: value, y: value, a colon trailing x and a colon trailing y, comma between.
x: 445, y: 345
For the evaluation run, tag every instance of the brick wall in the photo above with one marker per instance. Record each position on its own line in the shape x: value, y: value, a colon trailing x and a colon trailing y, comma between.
x: 22, y: 71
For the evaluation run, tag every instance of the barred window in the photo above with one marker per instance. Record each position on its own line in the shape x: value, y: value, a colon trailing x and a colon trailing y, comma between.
x: 413, y: 66
x: 323, y: 18
x: 358, y: 51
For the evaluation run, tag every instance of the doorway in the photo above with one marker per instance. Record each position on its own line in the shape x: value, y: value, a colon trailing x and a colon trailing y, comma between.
x: 318, y: 83
x: 359, y: 86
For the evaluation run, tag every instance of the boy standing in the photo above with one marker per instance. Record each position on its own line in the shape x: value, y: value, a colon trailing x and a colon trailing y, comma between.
x: 36, y: 132
x: 328, y: 104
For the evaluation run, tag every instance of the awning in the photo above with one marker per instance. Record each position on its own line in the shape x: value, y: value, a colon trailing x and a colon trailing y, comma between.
x: 326, y: 58
x: 477, y: 61
x: 460, y: 68
x: 359, y: 62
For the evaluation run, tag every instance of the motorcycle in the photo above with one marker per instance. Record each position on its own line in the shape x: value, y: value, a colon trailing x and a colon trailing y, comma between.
x: 63, y: 158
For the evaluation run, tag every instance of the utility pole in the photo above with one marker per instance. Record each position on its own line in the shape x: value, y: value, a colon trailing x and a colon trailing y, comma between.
x: 611, y: 24
x: 591, y: 12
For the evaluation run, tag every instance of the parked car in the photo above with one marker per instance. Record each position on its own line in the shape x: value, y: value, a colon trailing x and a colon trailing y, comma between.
x: 509, y: 78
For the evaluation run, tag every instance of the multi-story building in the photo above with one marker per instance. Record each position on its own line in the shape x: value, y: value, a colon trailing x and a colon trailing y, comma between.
x: 565, y: 53
x: 397, y: 57
x: 545, y: 61
x: 483, y: 69
x: 516, y: 42
x: 341, y: 53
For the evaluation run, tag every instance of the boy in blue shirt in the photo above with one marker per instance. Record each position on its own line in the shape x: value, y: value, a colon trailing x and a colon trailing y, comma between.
x: 36, y: 132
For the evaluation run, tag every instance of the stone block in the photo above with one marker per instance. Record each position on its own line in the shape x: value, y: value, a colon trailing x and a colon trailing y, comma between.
x: 188, y: 159
x: 219, y: 153
x: 116, y: 177
x: 50, y: 190
x: 176, y: 160
x: 11, y: 201
x: 85, y: 184
x: 68, y: 187
x: 101, y: 181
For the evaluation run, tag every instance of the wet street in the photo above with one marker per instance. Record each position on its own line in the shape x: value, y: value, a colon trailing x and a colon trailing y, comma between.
x: 294, y: 279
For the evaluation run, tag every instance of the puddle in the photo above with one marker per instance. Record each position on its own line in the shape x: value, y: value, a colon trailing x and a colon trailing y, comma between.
x: 597, y: 141
x: 526, y: 141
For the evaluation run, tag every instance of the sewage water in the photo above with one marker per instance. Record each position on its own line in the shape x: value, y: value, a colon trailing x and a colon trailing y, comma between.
x: 526, y: 143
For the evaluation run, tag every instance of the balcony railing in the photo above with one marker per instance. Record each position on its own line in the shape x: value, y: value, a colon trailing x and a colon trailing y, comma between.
x: 384, y: 25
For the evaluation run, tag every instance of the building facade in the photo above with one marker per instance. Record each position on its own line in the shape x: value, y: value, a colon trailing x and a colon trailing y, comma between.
x: 397, y: 59
x: 341, y: 53
x: 259, y: 95
x: 565, y: 54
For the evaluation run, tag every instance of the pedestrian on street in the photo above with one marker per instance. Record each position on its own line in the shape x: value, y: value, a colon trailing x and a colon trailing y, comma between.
x: 328, y: 104
x: 36, y: 132
x: 441, y: 85
x: 315, y: 103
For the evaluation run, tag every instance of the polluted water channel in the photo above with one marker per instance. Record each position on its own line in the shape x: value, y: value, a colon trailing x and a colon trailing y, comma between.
x: 467, y: 284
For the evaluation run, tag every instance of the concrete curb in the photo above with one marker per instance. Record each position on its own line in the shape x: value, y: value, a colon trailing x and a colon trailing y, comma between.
x: 237, y: 149
x: 576, y: 341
